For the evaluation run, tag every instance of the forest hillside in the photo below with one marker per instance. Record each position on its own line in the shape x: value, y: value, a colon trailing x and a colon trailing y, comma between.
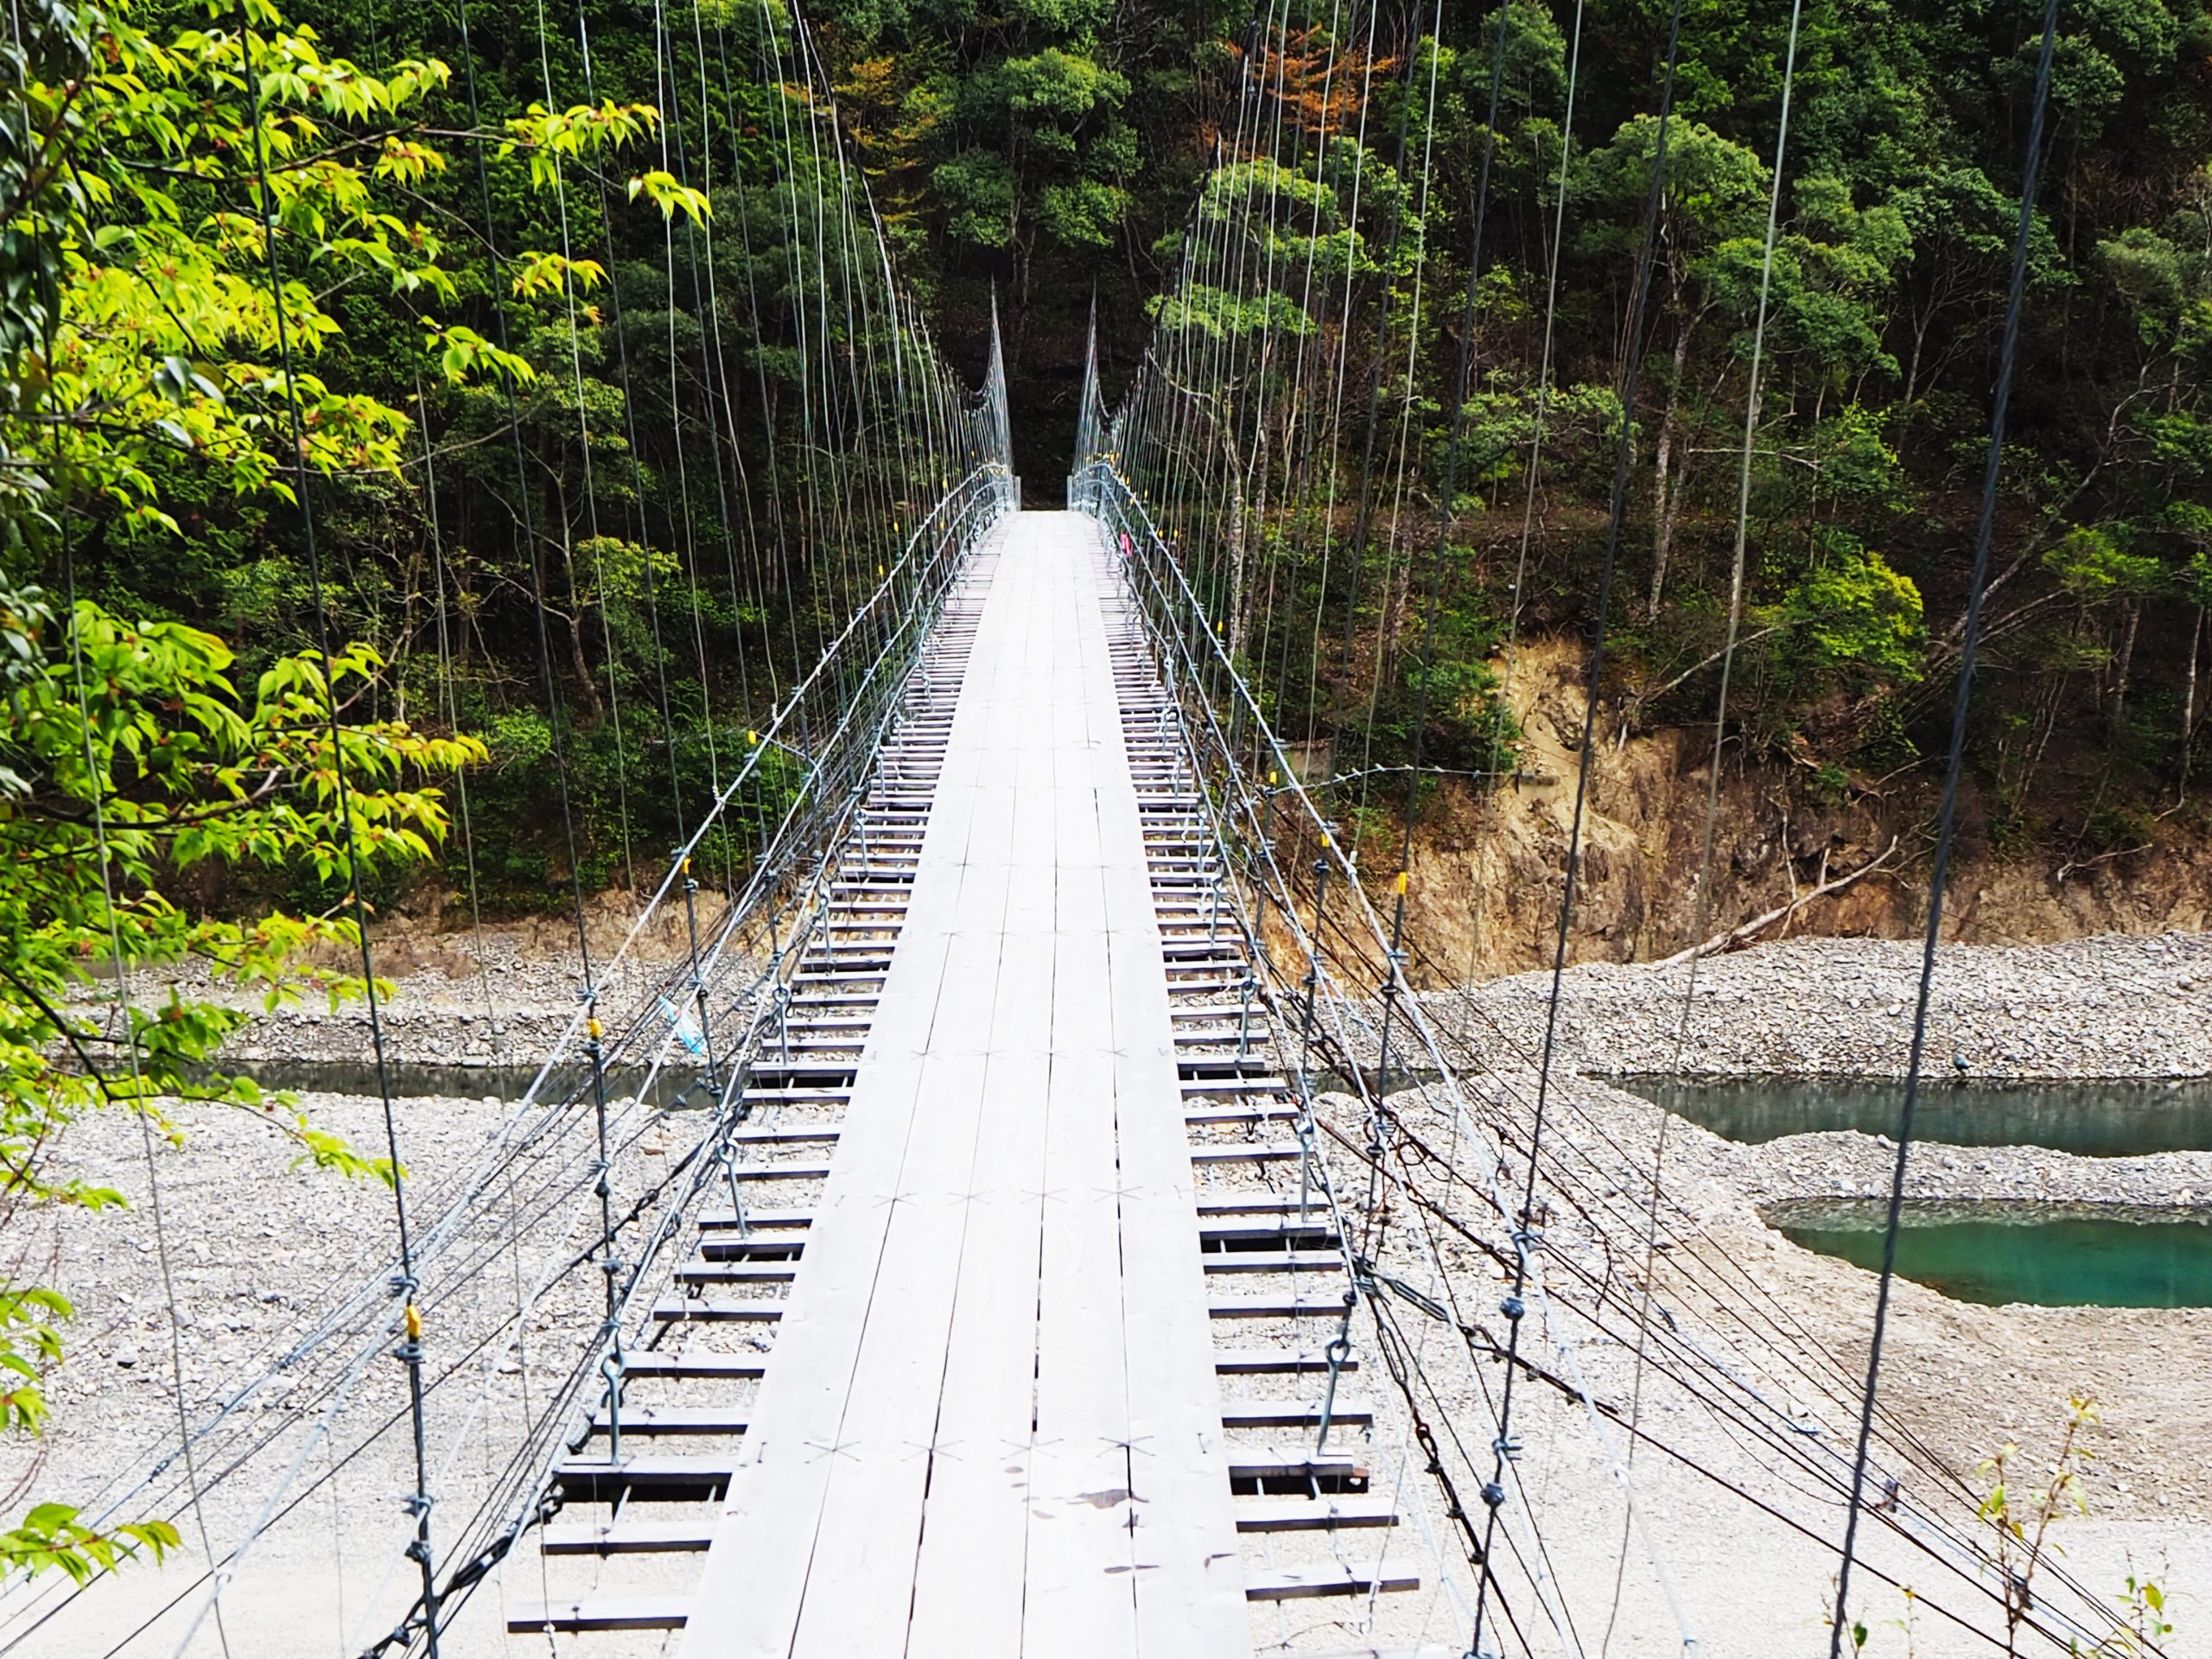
x: 1044, y: 155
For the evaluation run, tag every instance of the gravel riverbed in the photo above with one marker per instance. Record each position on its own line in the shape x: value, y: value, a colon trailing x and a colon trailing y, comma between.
x: 2117, y: 1005
x: 256, y: 1244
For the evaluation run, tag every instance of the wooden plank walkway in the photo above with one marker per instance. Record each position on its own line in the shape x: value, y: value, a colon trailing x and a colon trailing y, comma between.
x: 993, y: 1426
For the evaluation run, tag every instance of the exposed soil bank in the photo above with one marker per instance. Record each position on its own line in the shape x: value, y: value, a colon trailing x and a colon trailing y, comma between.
x: 1487, y: 877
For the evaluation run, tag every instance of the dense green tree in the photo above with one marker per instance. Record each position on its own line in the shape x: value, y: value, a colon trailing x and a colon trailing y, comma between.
x: 1048, y: 152
x: 157, y: 374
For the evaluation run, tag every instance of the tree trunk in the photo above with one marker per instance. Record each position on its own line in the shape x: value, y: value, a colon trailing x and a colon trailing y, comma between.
x: 581, y: 664
x: 1236, y: 553
x: 2126, y: 656
x: 576, y: 654
x: 1240, y: 610
x: 1912, y: 364
x: 410, y: 591
x: 1395, y: 606
x: 2189, y: 705
x: 1664, y: 500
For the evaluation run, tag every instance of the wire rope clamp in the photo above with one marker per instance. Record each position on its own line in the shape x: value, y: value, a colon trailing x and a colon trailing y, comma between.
x: 1493, y: 1494
x: 1513, y: 1307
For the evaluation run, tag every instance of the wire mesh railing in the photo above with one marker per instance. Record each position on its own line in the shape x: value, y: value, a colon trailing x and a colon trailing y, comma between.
x: 1471, y: 1221
x: 522, y: 1289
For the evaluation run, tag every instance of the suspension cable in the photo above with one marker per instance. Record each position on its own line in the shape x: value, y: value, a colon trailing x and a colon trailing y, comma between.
x: 1946, y: 822
x: 1701, y: 900
x: 410, y: 1351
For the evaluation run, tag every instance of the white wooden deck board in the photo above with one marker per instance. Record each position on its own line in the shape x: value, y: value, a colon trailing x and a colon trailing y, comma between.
x: 1189, y: 1578
x: 973, y: 1560
x: 991, y: 1425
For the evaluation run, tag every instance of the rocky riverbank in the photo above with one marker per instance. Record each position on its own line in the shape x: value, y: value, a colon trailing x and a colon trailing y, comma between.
x: 2115, y: 1006
x: 1971, y: 1377
x: 1964, y: 1378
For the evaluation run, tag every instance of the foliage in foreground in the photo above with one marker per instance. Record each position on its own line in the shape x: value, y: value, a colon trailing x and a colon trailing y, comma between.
x: 155, y: 347
x: 2019, y: 1508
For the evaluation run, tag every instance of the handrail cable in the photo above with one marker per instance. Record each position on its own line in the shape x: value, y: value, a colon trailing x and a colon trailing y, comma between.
x: 1479, y: 1550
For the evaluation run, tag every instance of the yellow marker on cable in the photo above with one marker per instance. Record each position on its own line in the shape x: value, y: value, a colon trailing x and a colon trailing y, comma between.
x: 413, y: 1318
x: 1403, y: 877
x: 593, y: 1026
x: 753, y: 737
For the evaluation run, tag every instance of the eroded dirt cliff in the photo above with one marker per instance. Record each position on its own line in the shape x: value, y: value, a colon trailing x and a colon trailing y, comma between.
x: 1485, y: 897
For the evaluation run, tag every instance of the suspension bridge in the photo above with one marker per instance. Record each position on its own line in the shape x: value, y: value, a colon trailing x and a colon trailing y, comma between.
x: 1081, y: 1237
x: 990, y: 1415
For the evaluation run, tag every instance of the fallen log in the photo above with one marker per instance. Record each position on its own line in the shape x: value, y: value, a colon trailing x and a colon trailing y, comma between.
x: 1749, y: 931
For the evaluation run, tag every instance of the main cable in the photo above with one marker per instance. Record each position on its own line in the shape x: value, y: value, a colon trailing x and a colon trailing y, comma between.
x: 410, y: 1351
x: 1946, y: 822
x: 1526, y: 1240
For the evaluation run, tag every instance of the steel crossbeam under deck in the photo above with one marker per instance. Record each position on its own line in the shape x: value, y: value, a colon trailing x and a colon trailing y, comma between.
x: 992, y: 1426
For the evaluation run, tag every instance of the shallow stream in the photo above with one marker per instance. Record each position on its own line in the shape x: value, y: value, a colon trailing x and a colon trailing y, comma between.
x: 2059, y: 1256
x: 414, y: 1082
x: 2101, y: 1118
x: 2055, y: 1254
